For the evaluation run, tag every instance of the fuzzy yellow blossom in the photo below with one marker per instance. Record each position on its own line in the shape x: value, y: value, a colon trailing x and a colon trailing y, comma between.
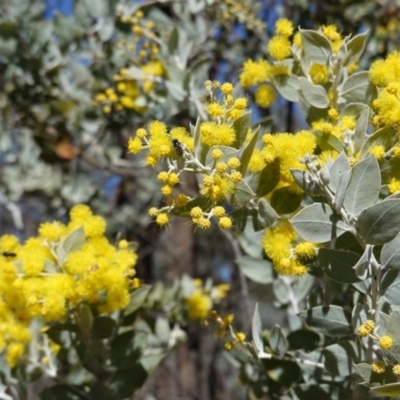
x: 386, y: 342
x: 166, y: 190
x: 225, y: 223
x: 52, y: 231
x: 196, y: 212
x: 378, y: 367
x: 265, y: 96
x: 236, y: 177
x: 369, y: 324
x: 208, y: 181
x: 221, y: 167
x: 14, y: 352
x: 277, y: 241
x: 141, y: 133
x: 363, y: 331
x: 305, y: 250
x: 240, y: 337
x: 153, y: 212
x: 212, y: 134
x: 333, y: 114
x: 319, y: 74
x: 181, y: 200
x: 331, y: 32
x: 394, y: 185
x: 227, y: 88
x: 173, y: 179
x: 198, y: 304
x: 378, y: 73
x: 240, y: 103
x: 217, y: 154
x: 254, y: 72
x: 279, y: 47
x: 134, y: 145
x: 284, y: 27
x: 202, y: 222
x: 162, y: 177
x: 396, y: 369
x: 219, y: 211
x: 297, y: 40
x: 215, y: 110
x: 378, y: 151
x: 228, y: 345
x: 234, y: 163
x: 162, y: 219
x: 396, y: 151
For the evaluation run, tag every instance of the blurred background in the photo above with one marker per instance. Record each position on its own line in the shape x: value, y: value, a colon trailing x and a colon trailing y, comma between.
x: 78, y: 77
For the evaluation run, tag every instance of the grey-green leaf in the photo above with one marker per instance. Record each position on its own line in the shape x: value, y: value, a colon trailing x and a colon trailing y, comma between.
x: 316, y: 46
x: 318, y: 223
x: 393, y: 327
x: 390, y: 254
x: 358, y: 86
x: 74, y: 241
x: 257, y: 269
x: 305, y: 181
x: 314, y: 94
x: 266, y: 215
x: 247, y: 152
x: 364, y: 186
x: 339, y: 165
x: 343, y: 183
x: 256, y: 330
x: 380, y: 223
x: 338, y: 264
x: 269, y: 178
x: 329, y: 320
x: 277, y: 341
x: 381, y: 137
x: 355, y: 48
x: 241, y: 127
x: 339, y: 358
x: 360, y: 131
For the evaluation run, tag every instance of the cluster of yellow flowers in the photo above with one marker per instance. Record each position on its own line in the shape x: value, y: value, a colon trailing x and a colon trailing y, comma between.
x: 50, y: 275
x: 131, y: 87
x: 385, y: 342
x: 224, y: 329
x: 282, y: 46
x: 145, y: 43
x: 219, y: 177
x: 128, y: 92
x: 385, y: 75
x: 199, y: 303
x: 244, y: 11
x: 287, y: 252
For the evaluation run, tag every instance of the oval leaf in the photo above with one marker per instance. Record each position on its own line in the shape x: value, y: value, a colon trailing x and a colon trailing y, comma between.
x: 277, y: 341
x: 329, y: 320
x: 269, y: 178
x: 338, y: 264
x: 390, y: 255
x: 314, y: 94
x: 256, y: 330
x: 318, y: 223
x: 364, y: 186
x: 339, y: 165
x: 256, y: 269
x: 316, y: 46
x: 339, y: 358
x: 380, y: 223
